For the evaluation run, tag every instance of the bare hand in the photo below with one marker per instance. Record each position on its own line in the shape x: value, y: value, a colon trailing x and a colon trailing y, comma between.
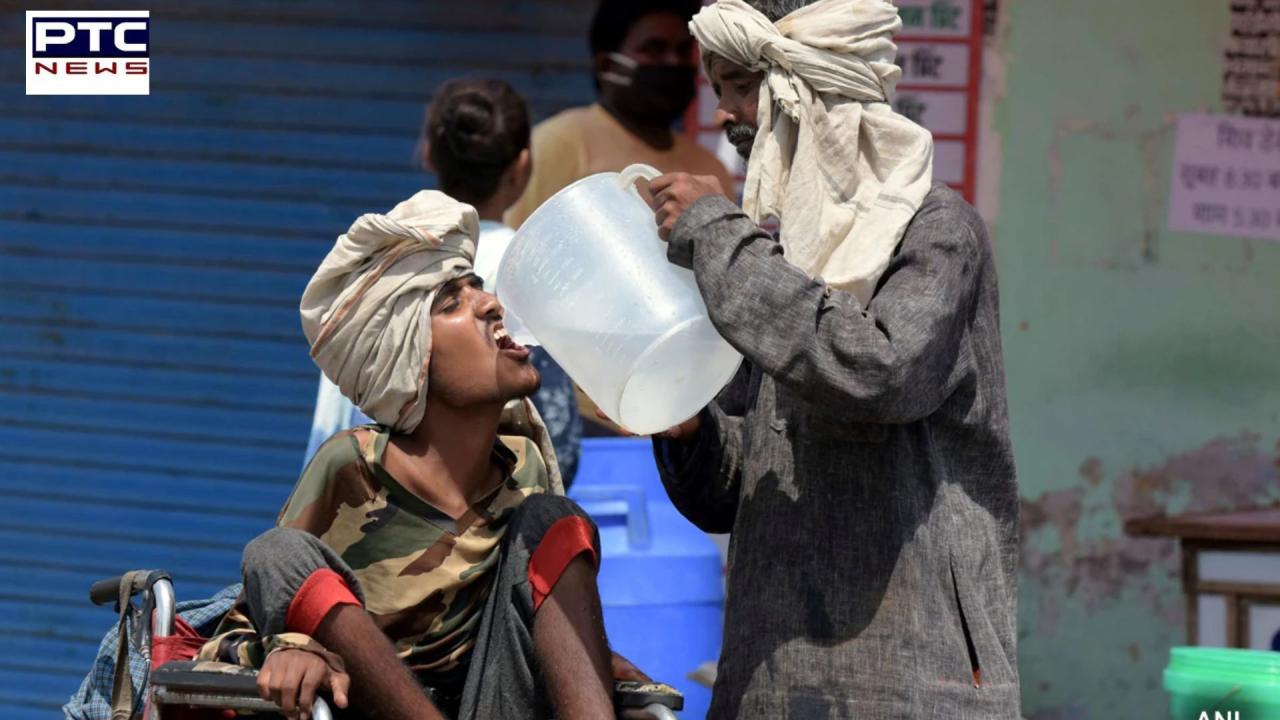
x: 624, y: 669
x: 291, y: 677
x: 673, y: 193
x: 684, y: 432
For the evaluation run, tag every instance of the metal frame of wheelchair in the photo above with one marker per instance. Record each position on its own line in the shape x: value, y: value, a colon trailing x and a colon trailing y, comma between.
x: 179, y: 683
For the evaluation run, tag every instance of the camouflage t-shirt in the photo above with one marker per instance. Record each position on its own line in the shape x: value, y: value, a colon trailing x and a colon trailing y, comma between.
x: 424, y: 576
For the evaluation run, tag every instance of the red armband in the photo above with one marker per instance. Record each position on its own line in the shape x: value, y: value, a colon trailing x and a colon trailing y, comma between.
x: 565, y: 540
x: 322, y: 591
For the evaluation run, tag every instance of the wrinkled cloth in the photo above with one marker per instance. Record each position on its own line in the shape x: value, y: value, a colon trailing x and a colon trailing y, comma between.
x: 367, y: 309
x: 92, y: 701
x: 421, y: 574
x: 557, y: 433
x: 861, y: 462
x: 500, y: 676
x: 554, y: 400
x: 841, y: 171
x: 367, y: 313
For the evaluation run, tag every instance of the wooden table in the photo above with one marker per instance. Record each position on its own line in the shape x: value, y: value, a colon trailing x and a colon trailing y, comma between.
x: 1230, y: 574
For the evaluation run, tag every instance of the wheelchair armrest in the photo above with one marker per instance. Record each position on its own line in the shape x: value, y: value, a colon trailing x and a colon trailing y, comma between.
x: 191, y: 675
x: 210, y: 684
x: 220, y: 685
x: 628, y: 694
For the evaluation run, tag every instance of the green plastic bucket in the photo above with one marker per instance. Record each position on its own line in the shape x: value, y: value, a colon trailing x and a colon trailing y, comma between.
x: 1223, y: 684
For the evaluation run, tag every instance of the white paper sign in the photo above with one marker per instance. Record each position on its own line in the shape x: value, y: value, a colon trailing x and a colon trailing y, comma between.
x: 934, y: 18
x: 1251, y: 60
x: 1226, y: 176
x: 933, y: 64
x: 941, y: 112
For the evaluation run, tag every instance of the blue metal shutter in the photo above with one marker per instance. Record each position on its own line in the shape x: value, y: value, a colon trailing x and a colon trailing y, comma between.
x: 155, y: 388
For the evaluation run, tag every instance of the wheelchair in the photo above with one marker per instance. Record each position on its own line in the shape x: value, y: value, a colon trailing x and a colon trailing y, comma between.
x: 184, y: 687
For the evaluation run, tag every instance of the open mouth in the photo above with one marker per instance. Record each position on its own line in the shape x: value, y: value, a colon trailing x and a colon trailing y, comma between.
x: 507, y: 345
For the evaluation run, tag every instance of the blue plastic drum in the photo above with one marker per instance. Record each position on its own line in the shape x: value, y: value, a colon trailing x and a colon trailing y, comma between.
x: 660, y: 577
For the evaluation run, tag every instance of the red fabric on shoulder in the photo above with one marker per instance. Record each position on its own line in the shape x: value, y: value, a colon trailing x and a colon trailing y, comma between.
x: 322, y: 591
x: 565, y: 540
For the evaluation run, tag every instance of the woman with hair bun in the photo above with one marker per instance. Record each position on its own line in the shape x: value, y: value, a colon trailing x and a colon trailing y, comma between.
x: 476, y: 140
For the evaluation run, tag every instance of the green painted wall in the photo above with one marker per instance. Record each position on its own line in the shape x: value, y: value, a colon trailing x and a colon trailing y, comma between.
x: 1143, y: 365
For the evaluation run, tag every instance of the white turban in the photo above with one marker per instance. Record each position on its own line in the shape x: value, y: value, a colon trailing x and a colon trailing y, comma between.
x: 367, y: 311
x: 841, y: 171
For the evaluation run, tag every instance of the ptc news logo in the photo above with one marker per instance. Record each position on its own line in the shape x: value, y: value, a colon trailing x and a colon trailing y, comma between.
x: 88, y: 52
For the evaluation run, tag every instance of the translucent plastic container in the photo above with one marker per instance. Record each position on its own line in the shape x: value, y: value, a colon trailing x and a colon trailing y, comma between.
x: 589, y: 277
x: 1222, y: 683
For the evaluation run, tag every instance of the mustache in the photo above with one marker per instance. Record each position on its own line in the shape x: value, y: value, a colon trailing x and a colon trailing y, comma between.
x: 739, y: 133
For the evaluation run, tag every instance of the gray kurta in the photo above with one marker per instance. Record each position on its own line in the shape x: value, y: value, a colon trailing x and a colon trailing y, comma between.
x: 861, y: 460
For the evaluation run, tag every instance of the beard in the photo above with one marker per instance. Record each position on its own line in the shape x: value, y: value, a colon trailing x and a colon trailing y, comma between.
x: 742, y: 136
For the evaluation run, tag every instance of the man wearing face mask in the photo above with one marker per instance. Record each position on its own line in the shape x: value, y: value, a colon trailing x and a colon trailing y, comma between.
x: 645, y: 73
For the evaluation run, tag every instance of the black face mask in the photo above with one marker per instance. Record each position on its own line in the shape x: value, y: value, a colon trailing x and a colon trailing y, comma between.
x: 655, y: 95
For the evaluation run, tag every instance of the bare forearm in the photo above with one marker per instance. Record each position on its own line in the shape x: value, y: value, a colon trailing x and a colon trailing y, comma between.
x: 568, y: 635
x: 380, y: 683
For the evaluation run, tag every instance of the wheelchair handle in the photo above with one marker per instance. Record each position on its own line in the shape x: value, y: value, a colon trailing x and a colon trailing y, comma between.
x: 105, y: 592
x: 156, y: 589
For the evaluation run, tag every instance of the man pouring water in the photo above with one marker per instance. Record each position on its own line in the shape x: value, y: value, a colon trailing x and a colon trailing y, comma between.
x: 861, y: 458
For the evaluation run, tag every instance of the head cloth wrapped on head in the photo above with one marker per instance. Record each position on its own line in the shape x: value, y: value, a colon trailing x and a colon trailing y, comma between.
x: 367, y: 312
x: 841, y: 171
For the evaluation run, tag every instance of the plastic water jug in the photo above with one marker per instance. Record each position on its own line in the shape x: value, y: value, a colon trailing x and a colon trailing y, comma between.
x: 589, y: 277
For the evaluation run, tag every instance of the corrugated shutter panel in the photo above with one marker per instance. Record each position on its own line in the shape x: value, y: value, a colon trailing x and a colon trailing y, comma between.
x: 155, y: 389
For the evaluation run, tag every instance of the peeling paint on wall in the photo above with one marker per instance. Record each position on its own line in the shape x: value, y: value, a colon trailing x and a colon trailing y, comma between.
x: 1224, y: 474
x: 1142, y: 364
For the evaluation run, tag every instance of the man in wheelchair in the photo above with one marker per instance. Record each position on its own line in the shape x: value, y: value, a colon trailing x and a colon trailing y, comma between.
x: 433, y: 550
